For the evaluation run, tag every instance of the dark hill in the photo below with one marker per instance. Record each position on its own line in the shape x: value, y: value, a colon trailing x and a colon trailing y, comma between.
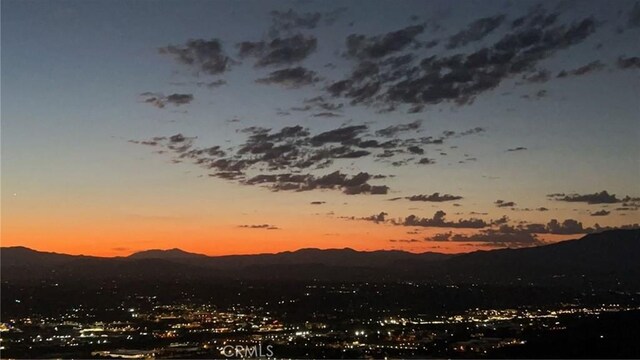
x: 604, y: 259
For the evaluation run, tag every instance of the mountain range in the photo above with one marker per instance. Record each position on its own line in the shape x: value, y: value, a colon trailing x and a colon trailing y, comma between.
x: 610, y: 258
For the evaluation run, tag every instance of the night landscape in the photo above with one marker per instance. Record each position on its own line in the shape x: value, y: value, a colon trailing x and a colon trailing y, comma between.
x: 320, y: 179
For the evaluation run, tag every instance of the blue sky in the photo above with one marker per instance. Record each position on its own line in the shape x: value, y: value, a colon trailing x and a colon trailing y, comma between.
x: 76, y: 75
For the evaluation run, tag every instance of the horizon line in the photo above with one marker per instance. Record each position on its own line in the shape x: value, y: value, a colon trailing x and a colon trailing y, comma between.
x: 311, y: 248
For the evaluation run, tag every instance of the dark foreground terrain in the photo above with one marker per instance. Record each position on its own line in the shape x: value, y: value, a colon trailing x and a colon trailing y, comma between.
x: 578, y: 299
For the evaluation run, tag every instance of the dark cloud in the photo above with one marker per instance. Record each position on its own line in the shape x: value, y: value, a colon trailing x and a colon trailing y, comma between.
x: 500, y: 221
x: 426, y: 161
x: 144, y: 142
x: 279, y: 51
x: 345, y: 135
x: 519, y: 148
x: 350, y: 185
x: 364, y: 70
x: 536, y: 209
x: 205, y: 56
x: 475, y: 130
x: 566, y: 227
x: 497, y: 237
x: 290, y: 78
x: 600, y: 213
x: 524, y: 235
x: 160, y: 101
x: 502, y: 203
x: 451, y: 78
x: 582, y: 70
x: 404, y: 241
x: 375, y: 47
x: 381, y: 217
x: 569, y: 226
x: 541, y: 76
x: 537, y: 17
x: 598, y: 228
x: 318, y: 103
x: 209, y: 84
x: 438, y: 220
x: 261, y: 226
x: 628, y: 62
x: 179, y: 99
x: 326, y: 114
x: 435, y: 197
x: 602, y: 197
x: 178, y: 144
x: 476, y: 31
x: 289, y: 159
x: 440, y: 237
x: 393, y: 130
x: 367, y: 189
x: 215, y: 83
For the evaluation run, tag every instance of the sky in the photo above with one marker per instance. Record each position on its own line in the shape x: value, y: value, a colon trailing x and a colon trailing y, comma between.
x: 239, y: 127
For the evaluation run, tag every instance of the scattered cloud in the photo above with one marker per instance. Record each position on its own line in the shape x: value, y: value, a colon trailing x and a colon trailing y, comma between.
x: 496, y: 237
x: 426, y: 161
x: 394, y: 130
x: 540, y: 76
x: 476, y: 31
x: 435, y: 197
x: 326, y: 114
x: 519, y: 148
x: 160, y: 101
x: 602, y: 197
x: 290, y: 78
x: 438, y: 220
x: 404, y: 240
x: 279, y: 51
x: 374, y: 47
x: 379, y: 218
x: 524, y: 234
x: 628, y: 62
x: 261, y: 226
x: 583, y: 70
x: 384, y: 81
x: 502, y: 203
x: 215, y: 83
x: 205, y: 56
x: 600, y: 213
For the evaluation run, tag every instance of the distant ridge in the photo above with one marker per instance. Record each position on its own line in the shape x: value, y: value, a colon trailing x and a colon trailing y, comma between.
x: 610, y: 258
x: 174, y: 253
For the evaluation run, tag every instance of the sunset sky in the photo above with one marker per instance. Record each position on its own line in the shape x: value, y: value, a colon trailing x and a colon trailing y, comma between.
x: 236, y: 127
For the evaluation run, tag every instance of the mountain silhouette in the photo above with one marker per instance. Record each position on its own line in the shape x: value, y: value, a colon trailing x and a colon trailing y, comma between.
x: 170, y: 254
x: 603, y: 259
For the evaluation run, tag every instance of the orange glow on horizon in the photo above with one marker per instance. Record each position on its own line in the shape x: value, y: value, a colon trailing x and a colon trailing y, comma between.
x: 112, y: 240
